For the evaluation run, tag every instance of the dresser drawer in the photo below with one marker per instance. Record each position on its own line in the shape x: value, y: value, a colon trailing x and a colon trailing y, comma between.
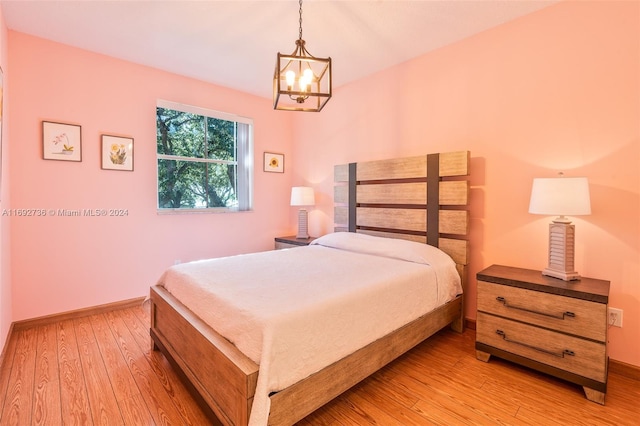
x: 585, y: 358
x: 574, y: 316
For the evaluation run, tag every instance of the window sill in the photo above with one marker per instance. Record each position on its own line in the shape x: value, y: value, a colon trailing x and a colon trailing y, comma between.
x: 162, y: 212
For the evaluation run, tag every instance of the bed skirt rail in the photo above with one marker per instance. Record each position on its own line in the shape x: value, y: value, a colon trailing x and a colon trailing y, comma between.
x: 294, y: 403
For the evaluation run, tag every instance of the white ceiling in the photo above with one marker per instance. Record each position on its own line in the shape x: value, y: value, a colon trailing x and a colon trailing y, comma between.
x: 234, y: 43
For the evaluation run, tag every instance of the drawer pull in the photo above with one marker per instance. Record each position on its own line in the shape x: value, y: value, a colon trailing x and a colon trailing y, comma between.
x: 560, y: 316
x: 559, y: 355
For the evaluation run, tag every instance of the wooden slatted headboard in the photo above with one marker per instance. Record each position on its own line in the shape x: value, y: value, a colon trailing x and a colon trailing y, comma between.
x: 423, y: 199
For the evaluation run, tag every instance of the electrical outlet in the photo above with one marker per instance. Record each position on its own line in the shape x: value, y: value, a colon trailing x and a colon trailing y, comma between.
x: 615, y: 317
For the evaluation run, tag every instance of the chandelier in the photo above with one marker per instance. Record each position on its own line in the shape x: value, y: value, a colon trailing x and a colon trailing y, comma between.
x: 301, y: 81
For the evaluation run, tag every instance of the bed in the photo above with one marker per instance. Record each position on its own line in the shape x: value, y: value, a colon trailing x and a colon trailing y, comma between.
x: 390, y: 198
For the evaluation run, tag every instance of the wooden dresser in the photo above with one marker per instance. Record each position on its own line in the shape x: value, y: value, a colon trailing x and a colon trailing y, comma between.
x: 554, y: 326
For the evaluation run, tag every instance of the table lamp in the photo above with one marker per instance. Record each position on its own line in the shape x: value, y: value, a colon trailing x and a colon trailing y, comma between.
x: 561, y: 196
x: 302, y: 196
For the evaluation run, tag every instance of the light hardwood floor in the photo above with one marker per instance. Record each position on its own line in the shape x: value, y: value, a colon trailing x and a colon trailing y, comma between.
x: 99, y: 369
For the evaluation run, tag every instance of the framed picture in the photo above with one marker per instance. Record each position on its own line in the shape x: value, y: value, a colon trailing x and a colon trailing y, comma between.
x: 273, y: 162
x: 117, y: 153
x: 61, y: 141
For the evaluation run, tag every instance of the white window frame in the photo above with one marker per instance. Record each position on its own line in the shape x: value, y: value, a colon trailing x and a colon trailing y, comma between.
x: 244, y: 170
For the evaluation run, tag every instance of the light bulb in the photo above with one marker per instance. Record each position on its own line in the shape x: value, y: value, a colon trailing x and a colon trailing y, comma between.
x: 308, y: 75
x: 306, y: 79
x: 303, y: 83
x: 291, y: 78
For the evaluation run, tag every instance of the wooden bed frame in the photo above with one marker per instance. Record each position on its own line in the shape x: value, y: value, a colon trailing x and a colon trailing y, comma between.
x: 417, y: 198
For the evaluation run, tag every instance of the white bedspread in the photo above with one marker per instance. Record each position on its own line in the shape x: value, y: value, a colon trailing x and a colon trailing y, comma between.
x: 296, y: 311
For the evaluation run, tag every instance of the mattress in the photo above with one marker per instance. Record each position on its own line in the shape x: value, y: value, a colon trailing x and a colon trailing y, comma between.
x: 295, y: 311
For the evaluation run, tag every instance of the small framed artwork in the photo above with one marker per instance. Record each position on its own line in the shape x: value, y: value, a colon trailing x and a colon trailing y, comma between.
x: 273, y: 162
x: 61, y: 141
x: 117, y: 153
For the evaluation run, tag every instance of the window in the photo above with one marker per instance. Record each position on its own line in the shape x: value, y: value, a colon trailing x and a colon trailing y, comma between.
x: 205, y: 159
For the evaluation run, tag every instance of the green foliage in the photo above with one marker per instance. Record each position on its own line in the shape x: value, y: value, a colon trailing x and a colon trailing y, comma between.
x: 195, y: 184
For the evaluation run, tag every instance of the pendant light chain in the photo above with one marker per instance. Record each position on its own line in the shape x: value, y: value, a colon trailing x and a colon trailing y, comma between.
x: 300, y: 21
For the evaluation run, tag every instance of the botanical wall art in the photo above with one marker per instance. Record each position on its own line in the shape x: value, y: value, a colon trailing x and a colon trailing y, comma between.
x: 117, y: 153
x: 273, y: 162
x: 61, y: 141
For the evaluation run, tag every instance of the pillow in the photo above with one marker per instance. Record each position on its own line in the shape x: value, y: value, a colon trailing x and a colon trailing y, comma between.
x: 409, y: 251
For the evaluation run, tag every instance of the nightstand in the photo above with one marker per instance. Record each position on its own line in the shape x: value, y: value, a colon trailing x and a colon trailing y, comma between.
x: 553, y: 326
x: 291, y: 242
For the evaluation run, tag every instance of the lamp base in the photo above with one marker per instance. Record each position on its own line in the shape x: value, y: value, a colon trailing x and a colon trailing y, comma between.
x: 567, y: 276
x: 303, y: 224
x: 561, y: 251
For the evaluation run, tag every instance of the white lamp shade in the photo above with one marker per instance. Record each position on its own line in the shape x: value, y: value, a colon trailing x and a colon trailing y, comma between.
x: 560, y: 196
x: 302, y: 196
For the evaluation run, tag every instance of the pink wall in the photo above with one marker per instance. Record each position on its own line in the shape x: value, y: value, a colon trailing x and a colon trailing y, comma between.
x: 5, y: 196
x: 65, y: 263
x: 555, y: 90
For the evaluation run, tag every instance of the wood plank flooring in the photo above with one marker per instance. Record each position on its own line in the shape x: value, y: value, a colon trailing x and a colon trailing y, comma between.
x: 99, y: 370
